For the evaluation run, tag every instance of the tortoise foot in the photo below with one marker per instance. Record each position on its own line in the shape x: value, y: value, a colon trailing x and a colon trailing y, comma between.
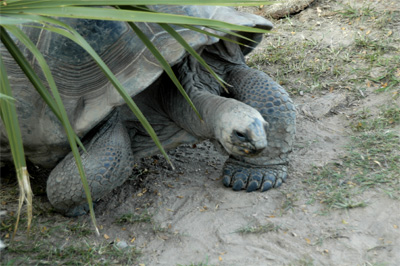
x: 253, y: 178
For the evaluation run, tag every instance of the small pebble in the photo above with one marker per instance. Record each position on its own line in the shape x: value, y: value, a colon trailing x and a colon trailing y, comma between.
x: 122, y: 245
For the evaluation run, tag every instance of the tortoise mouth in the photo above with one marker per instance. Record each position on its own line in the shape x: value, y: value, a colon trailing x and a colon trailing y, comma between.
x: 245, y: 149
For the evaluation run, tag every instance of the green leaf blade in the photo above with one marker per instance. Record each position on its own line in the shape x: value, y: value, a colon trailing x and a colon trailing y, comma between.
x: 8, y: 114
x: 130, y: 15
x: 167, y: 68
x: 58, y: 105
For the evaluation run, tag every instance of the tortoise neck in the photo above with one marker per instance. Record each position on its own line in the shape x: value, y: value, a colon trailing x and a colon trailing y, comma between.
x: 204, y: 91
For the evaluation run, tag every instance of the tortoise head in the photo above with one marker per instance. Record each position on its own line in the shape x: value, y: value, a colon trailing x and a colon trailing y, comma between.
x: 241, y: 130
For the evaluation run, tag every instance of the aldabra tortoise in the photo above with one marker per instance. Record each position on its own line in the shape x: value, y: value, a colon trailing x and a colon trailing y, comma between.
x: 254, y: 123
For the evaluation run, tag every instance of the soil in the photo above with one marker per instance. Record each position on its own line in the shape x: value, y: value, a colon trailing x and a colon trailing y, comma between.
x: 196, y: 219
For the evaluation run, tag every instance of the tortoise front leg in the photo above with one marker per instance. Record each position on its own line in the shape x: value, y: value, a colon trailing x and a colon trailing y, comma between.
x: 269, y: 169
x: 107, y: 164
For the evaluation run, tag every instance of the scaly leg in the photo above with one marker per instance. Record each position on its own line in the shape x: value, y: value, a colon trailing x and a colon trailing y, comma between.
x: 107, y: 164
x: 269, y: 169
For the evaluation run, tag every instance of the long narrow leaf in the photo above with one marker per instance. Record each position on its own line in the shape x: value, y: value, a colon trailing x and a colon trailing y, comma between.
x: 8, y: 114
x: 52, y: 3
x: 4, y: 20
x: 197, y: 29
x: 167, y: 68
x: 193, y: 52
x: 6, y: 97
x: 222, y: 37
x: 127, y: 15
x: 187, y: 47
x: 29, y: 71
x: 64, y: 118
x: 164, y: 63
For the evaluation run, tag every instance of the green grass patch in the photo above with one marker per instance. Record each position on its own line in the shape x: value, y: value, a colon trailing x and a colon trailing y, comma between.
x: 196, y: 264
x: 144, y: 217
x: 40, y: 252
x: 368, y: 58
x: 258, y: 228
x: 372, y: 161
x: 305, y: 260
x: 79, y: 229
x: 363, y: 12
x: 289, y: 202
x: 130, y: 218
x: 202, y: 263
x: 387, y: 118
x: 296, y: 63
x: 54, y: 243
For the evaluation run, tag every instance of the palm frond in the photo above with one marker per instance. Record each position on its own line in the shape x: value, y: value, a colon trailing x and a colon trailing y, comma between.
x: 8, y: 114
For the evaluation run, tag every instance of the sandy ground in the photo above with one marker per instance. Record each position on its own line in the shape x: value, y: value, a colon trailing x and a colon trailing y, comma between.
x: 200, y: 218
x: 196, y: 219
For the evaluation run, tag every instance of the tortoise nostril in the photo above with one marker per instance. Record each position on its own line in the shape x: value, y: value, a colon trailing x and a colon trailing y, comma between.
x: 240, y: 136
x: 260, y: 145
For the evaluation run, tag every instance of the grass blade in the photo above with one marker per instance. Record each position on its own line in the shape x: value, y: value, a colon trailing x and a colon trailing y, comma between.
x: 202, y: 31
x: 126, y: 15
x: 52, y: 3
x: 222, y: 37
x: 188, y: 48
x: 6, y: 97
x: 167, y: 68
x: 59, y: 105
x: 29, y: 72
x: 7, y: 20
x: 8, y: 113
x: 193, y: 52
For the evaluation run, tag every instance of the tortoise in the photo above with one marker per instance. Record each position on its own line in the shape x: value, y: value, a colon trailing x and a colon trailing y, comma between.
x: 254, y: 123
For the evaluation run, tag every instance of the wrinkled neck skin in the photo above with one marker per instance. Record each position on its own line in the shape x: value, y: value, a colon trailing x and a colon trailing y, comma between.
x: 205, y: 91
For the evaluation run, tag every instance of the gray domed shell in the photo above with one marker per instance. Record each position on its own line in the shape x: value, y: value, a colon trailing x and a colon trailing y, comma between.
x: 86, y: 92
x: 79, y: 77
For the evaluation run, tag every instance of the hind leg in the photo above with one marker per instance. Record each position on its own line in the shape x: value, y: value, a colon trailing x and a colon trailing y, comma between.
x: 107, y: 164
x: 269, y: 169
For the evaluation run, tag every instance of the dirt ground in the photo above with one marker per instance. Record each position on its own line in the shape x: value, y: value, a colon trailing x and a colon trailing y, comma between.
x: 187, y: 217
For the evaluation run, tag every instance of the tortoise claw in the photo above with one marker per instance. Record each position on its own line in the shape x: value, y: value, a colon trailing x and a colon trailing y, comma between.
x: 253, y: 178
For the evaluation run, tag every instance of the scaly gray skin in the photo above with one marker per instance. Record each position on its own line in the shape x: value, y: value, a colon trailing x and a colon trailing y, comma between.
x: 240, y: 129
x: 255, y: 88
x: 110, y: 153
x: 108, y: 163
